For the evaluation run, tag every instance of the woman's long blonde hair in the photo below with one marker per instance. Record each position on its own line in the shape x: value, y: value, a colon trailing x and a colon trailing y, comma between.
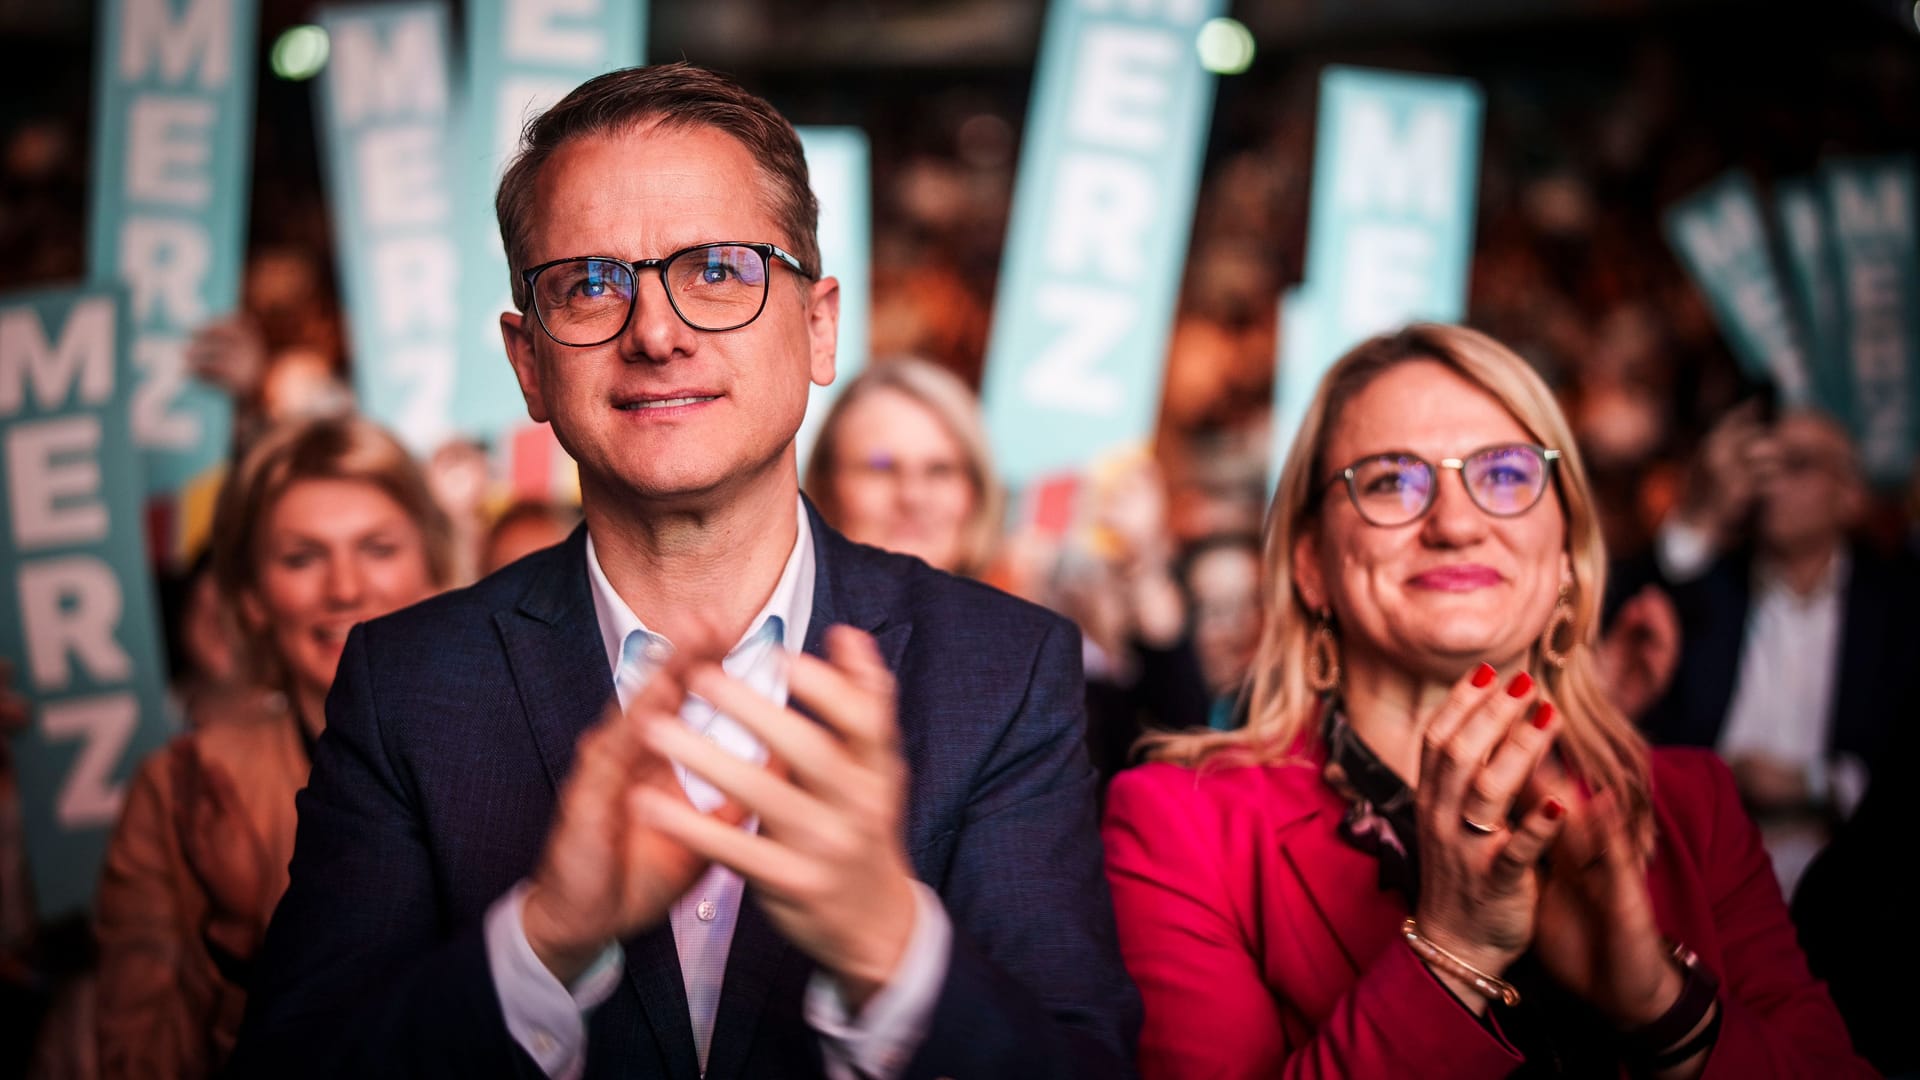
x: 1599, y: 745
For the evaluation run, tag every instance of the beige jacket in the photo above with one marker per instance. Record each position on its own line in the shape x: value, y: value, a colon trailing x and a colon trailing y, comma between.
x: 165, y: 1009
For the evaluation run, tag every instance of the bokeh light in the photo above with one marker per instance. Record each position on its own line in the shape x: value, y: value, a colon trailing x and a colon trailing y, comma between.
x: 1225, y: 46
x: 300, y: 53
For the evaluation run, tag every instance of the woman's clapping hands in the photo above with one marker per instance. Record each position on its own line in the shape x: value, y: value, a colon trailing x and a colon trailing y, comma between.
x: 1513, y: 856
x: 1480, y: 882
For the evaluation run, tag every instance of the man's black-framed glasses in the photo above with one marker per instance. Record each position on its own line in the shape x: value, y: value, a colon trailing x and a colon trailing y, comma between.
x: 1397, y: 489
x: 588, y: 300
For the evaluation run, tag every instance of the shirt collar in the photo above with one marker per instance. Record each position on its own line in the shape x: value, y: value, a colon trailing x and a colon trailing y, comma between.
x: 791, y: 602
x: 1832, y: 582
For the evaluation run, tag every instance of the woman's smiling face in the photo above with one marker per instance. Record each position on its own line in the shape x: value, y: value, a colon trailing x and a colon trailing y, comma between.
x: 1456, y: 585
x: 332, y: 553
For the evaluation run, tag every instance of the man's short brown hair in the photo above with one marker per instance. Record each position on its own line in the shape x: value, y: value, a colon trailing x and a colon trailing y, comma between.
x: 672, y: 96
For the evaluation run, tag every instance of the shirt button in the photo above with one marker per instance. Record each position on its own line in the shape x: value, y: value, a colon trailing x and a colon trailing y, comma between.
x: 542, y: 1043
x: 657, y: 651
x: 706, y: 910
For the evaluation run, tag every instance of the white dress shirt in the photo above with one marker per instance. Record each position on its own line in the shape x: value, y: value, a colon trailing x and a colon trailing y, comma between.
x: 548, y: 1019
x: 1782, y: 704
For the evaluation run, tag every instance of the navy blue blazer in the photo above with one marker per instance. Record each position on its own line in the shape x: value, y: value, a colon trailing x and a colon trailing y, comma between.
x: 451, y: 726
x: 1877, y: 684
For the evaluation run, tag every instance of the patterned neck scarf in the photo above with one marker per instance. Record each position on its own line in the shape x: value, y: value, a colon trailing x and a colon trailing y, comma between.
x: 1380, y: 818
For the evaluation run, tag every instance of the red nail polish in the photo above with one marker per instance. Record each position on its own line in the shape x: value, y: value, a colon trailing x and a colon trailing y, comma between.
x: 1521, y: 683
x: 1543, y: 715
x: 1483, y: 674
x: 1554, y: 809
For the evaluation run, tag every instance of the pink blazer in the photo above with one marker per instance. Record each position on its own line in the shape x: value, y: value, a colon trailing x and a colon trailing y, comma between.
x: 1263, y: 946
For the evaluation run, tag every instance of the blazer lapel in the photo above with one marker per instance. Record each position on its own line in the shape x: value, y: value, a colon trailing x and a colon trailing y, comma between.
x: 1352, y: 915
x: 1716, y: 652
x: 653, y: 970
x: 1865, y: 631
x: 759, y: 957
x: 559, y: 667
x: 856, y: 596
x: 558, y: 661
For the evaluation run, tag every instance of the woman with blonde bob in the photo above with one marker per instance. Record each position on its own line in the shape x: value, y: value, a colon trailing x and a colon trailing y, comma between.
x: 1436, y: 849
x: 902, y: 463
x: 323, y: 524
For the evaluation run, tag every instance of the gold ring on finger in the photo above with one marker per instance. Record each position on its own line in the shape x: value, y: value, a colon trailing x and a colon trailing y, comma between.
x: 1477, y: 828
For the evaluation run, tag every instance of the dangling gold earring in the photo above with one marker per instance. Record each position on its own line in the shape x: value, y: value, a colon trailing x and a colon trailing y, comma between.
x: 1323, y: 663
x: 1561, y: 621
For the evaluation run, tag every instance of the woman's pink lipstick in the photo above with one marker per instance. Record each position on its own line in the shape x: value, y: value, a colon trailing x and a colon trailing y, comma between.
x: 1463, y: 578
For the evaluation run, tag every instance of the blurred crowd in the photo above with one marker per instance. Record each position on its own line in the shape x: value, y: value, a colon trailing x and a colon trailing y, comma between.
x: 1719, y: 516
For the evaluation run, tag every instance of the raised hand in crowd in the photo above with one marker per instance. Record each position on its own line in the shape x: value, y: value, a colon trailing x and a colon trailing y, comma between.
x: 223, y: 850
x: 1723, y: 482
x: 230, y: 353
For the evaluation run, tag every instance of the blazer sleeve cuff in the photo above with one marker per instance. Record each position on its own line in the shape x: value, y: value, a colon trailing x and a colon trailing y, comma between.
x: 1455, y: 1035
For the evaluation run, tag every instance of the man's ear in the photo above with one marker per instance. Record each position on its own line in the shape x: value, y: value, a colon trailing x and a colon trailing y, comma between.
x: 516, y: 332
x: 823, y: 329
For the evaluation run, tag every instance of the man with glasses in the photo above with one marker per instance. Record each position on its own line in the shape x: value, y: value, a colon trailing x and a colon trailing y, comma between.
x: 839, y: 819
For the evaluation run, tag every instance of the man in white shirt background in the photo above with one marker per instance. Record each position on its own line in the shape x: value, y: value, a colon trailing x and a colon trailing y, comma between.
x: 1798, y: 642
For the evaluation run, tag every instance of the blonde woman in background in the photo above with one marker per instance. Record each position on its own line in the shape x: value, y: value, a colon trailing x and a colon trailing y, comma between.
x: 902, y: 462
x: 323, y: 524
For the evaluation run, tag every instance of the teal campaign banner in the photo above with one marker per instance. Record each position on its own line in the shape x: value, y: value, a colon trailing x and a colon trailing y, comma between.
x: 840, y: 167
x: 1303, y: 359
x: 1870, y: 206
x: 1720, y: 234
x: 1806, y: 241
x: 1396, y: 166
x: 79, y: 621
x: 385, y: 119
x: 522, y: 56
x: 1102, y: 208
x: 172, y: 156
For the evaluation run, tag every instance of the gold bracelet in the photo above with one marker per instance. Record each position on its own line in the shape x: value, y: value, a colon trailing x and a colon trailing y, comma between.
x: 1493, y: 989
